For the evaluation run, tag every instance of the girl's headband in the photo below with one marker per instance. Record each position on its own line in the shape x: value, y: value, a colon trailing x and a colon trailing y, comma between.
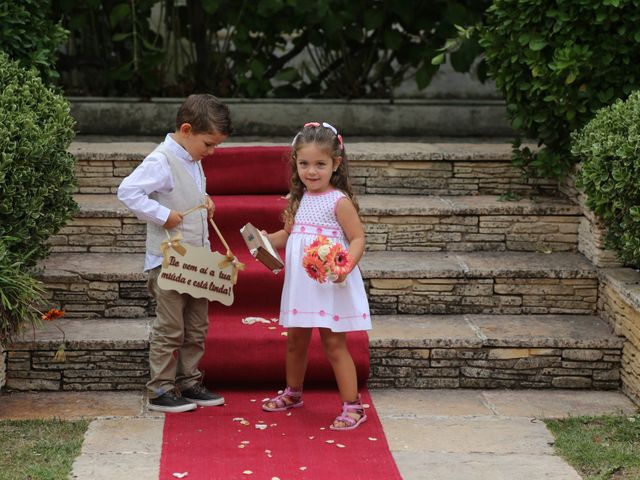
x: 325, y: 125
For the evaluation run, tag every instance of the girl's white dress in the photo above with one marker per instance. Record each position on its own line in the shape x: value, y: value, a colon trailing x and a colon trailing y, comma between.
x: 305, y: 302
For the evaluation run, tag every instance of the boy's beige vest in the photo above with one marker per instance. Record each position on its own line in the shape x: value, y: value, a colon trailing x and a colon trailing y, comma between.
x: 185, y: 195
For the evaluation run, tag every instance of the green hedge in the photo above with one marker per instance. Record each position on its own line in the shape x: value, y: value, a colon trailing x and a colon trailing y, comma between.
x: 37, y: 173
x: 37, y: 182
x: 609, y: 148
x: 557, y: 63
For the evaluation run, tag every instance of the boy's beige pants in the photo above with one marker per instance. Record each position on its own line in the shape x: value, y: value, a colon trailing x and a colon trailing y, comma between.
x: 177, y: 338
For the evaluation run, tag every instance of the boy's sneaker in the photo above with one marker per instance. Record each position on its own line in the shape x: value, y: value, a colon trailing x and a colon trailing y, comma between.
x: 199, y: 395
x: 169, y: 402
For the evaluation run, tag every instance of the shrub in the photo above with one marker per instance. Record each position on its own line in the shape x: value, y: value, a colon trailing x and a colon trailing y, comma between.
x: 557, y: 63
x: 37, y: 178
x: 270, y: 48
x: 610, y: 176
x: 28, y: 35
x: 20, y: 296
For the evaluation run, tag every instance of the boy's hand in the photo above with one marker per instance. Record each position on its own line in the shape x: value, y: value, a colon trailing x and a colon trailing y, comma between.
x: 175, y: 219
x: 210, y: 207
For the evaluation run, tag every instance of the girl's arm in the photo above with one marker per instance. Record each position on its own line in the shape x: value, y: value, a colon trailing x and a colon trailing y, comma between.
x: 279, y: 239
x: 349, y: 220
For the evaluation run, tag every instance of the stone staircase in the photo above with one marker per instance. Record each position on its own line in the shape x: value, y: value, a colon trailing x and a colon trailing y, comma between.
x: 466, y: 289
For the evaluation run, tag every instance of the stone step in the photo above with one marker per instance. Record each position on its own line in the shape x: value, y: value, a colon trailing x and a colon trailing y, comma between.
x: 441, y: 167
x: 494, y: 351
x: 91, y: 285
x: 392, y: 222
x: 480, y: 282
x: 428, y: 351
x: 110, y: 354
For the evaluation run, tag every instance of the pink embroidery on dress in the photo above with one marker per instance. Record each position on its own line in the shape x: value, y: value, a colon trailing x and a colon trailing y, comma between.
x: 322, y: 313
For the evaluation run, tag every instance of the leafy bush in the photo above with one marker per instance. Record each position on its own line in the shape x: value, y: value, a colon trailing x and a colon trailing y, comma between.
x: 28, y: 35
x: 610, y: 176
x: 37, y: 177
x: 557, y: 63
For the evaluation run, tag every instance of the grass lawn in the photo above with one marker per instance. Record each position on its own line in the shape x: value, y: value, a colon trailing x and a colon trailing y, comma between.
x: 39, y: 449
x: 600, y: 448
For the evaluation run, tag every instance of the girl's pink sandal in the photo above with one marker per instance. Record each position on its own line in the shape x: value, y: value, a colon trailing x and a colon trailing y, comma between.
x: 286, y: 400
x: 344, y: 417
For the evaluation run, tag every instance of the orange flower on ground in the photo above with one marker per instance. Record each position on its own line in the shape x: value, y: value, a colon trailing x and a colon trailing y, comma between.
x: 54, y: 313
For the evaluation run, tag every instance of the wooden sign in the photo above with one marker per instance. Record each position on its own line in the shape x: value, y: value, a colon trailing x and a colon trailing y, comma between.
x: 199, y: 273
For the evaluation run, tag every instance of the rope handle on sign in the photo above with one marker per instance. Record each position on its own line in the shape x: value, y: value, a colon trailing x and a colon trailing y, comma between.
x: 230, y: 258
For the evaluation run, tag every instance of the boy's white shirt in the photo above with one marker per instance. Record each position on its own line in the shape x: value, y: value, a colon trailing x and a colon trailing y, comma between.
x: 154, y: 175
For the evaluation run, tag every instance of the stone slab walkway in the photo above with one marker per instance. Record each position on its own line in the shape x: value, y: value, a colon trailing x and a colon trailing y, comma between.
x: 433, y: 434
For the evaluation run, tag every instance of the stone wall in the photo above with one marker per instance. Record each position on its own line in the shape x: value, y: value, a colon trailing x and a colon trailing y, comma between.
x: 83, y: 370
x: 443, y: 177
x: 467, y: 233
x: 488, y: 367
x: 591, y: 232
x: 461, y: 233
x: 591, y: 239
x: 105, y: 355
x: 424, y: 169
x: 88, y: 297
x: 619, y: 303
x: 483, y: 295
x: 98, y: 234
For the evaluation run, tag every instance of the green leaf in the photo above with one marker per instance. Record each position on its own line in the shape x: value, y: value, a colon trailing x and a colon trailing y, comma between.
x: 210, y: 6
x: 537, y: 44
x: 392, y: 39
x: 118, y: 37
x: 373, y: 18
x: 119, y: 12
x: 438, y: 59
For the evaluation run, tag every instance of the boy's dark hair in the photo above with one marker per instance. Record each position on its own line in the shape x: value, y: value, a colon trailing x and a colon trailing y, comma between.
x: 206, y: 114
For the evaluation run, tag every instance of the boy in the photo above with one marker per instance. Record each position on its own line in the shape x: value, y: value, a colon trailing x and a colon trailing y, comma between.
x: 170, y: 180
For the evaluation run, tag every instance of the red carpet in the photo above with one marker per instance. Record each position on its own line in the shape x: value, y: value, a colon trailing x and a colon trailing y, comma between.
x: 250, y: 184
x: 207, y: 443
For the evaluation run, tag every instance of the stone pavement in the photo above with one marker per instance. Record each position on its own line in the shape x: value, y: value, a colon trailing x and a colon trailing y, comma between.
x: 433, y: 434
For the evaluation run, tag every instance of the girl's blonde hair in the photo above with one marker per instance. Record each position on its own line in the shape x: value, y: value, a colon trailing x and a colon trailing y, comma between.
x: 327, y: 139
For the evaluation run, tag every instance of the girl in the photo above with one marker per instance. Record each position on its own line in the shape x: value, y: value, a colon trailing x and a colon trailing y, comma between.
x: 321, y: 203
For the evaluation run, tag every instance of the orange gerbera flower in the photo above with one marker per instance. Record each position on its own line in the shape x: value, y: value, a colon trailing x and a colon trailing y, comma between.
x: 339, y: 260
x: 315, y: 268
x: 318, y: 242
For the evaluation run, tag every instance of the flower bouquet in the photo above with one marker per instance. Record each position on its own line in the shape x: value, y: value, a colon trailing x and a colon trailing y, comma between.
x: 324, y: 260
